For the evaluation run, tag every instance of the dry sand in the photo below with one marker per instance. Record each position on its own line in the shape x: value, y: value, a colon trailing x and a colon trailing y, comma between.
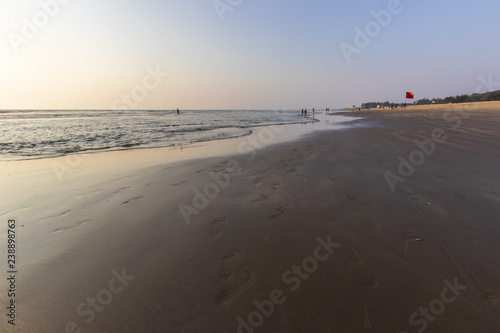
x: 103, y: 246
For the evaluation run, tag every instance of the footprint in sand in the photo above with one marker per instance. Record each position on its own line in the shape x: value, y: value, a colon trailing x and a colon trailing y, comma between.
x: 263, y: 196
x: 133, y: 199
x: 239, y: 281
x: 225, y: 295
x: 353, y: 260
x: 281, y: 210
x: 65, y: 213
x: 236, y: 275
x: 58, y: 215
x: 121, y: 190
x: 235, y: 254
x: 217, y: 226
x: 71, y: 227
x: 88, y: 194
x: 275, y: 185
x: 257, y: 180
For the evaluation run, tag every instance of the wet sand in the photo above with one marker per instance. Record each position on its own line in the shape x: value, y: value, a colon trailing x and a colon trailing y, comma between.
x: 321, y: 234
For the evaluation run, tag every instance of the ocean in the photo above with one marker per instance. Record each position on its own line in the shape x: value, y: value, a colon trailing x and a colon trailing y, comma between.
x: 44, y: 133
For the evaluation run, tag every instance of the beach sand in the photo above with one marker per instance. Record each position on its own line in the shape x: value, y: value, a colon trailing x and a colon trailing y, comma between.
x: 296, y: 236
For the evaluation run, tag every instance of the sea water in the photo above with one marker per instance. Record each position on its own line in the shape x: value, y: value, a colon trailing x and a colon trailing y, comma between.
x: 45, y: 133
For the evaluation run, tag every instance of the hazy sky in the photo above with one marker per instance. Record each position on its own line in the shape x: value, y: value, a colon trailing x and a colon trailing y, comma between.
x: 241, y: 54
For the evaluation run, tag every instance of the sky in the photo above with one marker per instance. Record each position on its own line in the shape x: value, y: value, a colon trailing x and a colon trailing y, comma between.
x: 242, y: 54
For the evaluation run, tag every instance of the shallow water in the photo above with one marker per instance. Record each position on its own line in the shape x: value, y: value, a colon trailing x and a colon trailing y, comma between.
x: 36, y: 134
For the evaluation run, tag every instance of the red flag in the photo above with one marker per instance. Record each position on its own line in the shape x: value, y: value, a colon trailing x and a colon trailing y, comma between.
x: 410, y: 95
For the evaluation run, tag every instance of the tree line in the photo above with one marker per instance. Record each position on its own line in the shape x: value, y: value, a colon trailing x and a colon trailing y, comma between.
x: 485, y: 97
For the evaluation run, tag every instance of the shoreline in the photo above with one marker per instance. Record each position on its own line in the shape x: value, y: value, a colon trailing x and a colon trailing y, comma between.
x: 291, y: 128
x: 172, y: 146
x: 166, y: 144
x: 269, y: 206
